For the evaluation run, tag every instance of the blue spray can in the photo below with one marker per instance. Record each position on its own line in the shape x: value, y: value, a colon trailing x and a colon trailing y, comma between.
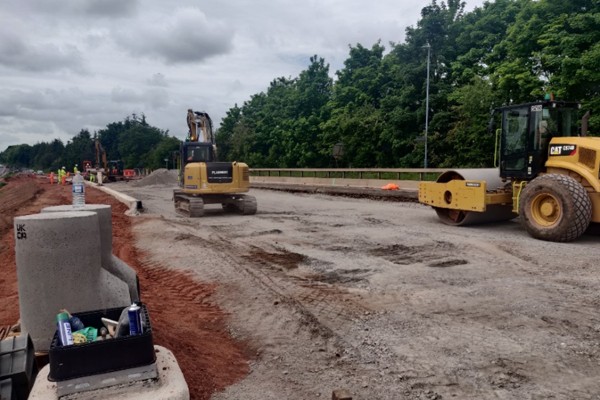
x: 135, y: 320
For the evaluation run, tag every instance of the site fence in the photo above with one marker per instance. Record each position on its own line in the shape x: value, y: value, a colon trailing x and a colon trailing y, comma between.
x: 401, y: 174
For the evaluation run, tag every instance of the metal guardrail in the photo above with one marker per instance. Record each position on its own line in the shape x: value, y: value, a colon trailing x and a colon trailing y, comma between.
x: 414, y: 174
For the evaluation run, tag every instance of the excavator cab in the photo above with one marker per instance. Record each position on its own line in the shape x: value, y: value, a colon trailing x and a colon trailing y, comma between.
x: 197, y: 152
x: 526, y: 132
x: 194, y: 152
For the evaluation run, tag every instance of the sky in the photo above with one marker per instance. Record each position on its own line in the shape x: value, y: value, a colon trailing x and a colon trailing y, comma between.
x: 70, y: 65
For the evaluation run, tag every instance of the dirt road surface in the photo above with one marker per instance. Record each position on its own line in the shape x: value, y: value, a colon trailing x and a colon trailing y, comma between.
x: 379, y: 298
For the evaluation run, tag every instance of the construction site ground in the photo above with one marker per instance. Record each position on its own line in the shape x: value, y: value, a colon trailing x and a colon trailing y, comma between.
x: 316, y: 293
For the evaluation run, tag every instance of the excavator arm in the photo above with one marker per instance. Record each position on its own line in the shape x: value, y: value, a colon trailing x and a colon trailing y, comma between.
x: 200, y: 128
x: 101, y: 161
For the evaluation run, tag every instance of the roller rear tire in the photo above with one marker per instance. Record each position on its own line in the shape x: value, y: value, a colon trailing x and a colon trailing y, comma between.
x: 555, y: 208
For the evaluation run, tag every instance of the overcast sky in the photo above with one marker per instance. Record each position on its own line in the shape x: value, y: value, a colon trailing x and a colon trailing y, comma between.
x: 73, y: 64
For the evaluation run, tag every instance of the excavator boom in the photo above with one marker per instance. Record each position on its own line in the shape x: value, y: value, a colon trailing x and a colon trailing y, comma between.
x: 200, y: 126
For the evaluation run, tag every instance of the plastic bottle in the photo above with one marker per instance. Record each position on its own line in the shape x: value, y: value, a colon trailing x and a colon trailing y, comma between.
x: 64, y: 329
x: 78, y: 190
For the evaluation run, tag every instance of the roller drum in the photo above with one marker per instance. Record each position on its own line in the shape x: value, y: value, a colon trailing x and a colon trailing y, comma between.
x: 493, y: 212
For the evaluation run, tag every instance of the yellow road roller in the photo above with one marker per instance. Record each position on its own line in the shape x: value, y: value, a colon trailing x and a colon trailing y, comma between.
x: 548, y: 175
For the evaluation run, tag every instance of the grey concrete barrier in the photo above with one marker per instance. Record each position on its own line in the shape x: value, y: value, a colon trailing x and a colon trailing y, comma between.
x: 110, y: 262
x: 58, y: 266
x: 135, y: 205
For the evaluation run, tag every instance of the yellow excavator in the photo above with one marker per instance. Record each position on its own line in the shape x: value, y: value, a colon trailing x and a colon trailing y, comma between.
x: 548, y: 175
x: 204, y: 180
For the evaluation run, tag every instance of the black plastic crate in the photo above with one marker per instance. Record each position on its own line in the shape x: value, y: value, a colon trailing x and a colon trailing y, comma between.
x: 98, y: 357
x: 17, y: 363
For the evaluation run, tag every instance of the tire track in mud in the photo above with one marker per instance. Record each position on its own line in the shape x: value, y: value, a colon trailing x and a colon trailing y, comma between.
x: 320, y: 305
x: 310, y: 313
x: 274, y: 270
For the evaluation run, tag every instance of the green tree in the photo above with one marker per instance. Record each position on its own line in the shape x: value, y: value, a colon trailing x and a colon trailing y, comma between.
x: 136, y: 144
x: 354, y: 110
x: 18, y: 156
x: 78, y: 149
x: 224, y: 134
x: 313, y: 90
x: 165, y: 149
x: 468, y: 140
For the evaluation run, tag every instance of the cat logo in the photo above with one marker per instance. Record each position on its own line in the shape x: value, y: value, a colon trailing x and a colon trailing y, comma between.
x: 563, y: 150
x: 555, y: 150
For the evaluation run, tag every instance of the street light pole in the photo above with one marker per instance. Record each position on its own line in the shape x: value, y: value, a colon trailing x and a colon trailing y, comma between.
x: 427, y: 103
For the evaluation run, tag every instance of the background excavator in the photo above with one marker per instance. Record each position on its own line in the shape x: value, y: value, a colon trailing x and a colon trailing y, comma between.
x: 549, y: 175
x: 204, y: 180
x: 112, y: 170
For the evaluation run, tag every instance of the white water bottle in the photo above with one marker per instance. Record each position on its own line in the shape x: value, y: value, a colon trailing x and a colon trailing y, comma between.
x: 78, y: 190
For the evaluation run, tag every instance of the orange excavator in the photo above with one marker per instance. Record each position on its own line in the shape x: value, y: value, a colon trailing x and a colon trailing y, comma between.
x: 112, y: 170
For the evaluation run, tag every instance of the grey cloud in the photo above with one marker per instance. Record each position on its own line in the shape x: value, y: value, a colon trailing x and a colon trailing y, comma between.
x: 108, y: 8
x: 17, y: 54
x: 186, y: 36
x: 120, y: 95
x: 158, y: 79
x: 155, y: 98
x: 33, y: 103
x: 89, y: 8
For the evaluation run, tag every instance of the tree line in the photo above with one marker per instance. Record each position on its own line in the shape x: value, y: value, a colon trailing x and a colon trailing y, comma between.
x: 133, y: 140
x: 373, y: 112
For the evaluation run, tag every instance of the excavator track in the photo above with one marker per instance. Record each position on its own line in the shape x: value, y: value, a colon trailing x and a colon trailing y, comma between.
x: 188, y: 206
x: 241, y: 204
x: 249, y: 205
x: 194, y: 206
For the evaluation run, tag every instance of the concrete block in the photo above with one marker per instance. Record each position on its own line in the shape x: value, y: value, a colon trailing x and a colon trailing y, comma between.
x: 121, y: 270
x: 113, y: 291
x: 170, y: 384
x: 110, y: 262
x: 58, y: 266
x: 104, y: 219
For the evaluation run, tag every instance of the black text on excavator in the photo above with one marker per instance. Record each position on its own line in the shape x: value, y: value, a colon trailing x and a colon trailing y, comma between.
x: 204, y: 180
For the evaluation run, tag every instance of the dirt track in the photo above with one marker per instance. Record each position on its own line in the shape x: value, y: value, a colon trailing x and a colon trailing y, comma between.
x: 375, y: 297
x: 381, y: 299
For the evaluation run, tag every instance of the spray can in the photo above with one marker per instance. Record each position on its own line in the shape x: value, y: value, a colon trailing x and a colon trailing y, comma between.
x: 64, y: 329
x: 135, y: 319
